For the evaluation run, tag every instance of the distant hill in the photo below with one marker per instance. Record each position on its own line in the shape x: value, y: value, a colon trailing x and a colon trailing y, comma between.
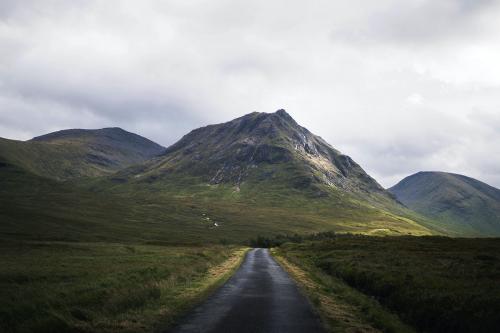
x: 459, y: 204
x: 77, y: 153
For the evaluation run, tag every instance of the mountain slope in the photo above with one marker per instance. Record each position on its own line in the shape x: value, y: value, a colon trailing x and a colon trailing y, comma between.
x: 266, y: 171
x: 39, y: 208
x: 458, y: 203
x: 78, y: 153
x: 257, y: 148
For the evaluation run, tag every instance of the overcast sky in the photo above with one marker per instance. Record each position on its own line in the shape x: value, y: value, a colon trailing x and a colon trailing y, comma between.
x: 400, y: 86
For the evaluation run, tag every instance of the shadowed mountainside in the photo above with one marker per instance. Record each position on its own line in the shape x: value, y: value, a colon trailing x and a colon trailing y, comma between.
x: 457, y: 203
x: 76, y: 153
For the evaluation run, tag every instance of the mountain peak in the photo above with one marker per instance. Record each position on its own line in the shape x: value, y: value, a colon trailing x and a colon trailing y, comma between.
x: 258, y: 147
x: 107, y: 135
x: 285, y: 116
x: 74, y: 133
x: 282, y: 113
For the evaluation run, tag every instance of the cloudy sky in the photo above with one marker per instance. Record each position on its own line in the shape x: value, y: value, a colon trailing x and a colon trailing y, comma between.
x: 400, y: 86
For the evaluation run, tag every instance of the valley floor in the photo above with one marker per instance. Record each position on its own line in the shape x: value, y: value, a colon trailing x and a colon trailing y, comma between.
x: 105, y: 287
x: 357, y: 283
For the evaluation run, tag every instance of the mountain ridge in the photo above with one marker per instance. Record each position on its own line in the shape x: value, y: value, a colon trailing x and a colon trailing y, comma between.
x: 74, y: 153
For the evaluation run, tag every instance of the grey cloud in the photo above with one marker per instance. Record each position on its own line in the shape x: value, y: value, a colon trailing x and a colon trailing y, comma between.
x: 418, y: 22
x: 399, y: 86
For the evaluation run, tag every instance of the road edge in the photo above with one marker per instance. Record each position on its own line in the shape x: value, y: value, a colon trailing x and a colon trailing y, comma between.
x: 214, y: 278
x: 337, y: 314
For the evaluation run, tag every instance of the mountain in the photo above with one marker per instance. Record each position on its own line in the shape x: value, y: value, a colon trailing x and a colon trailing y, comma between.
x: 260, y: 148
x: 266, y: 172
x: 77, y: 153
x: 459, y: 204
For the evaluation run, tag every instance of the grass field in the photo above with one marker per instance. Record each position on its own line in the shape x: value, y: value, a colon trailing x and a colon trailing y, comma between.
x: 433, y: 284
x: 118, y: 256
x: 341, y: 307
x: 105, y: 287
x: 36, y: 208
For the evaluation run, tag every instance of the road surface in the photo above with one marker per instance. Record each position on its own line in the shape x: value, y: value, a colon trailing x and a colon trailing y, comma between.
x: 259, y: 298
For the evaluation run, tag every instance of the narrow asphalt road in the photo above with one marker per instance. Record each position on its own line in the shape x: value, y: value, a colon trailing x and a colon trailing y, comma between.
x: 259, y: 298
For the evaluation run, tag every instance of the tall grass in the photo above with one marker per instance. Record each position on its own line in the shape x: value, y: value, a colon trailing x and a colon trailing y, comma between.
x: 99, y: 287
x: 435, y: 284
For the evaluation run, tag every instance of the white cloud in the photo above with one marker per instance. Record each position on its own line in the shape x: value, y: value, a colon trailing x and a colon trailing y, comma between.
x: 415, y: 98
x: 401, y: 87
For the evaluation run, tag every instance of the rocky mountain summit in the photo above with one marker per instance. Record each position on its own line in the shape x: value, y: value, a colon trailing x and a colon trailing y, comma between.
x: 261, y: 147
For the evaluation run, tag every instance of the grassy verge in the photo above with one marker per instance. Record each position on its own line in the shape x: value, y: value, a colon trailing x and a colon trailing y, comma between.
x: 341, y: 308
x: 103, y: 287
x: 434, y: 284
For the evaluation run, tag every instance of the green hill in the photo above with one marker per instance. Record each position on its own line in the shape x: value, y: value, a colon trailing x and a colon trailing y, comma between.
x: 76, y: 153
x: 458, y: 204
